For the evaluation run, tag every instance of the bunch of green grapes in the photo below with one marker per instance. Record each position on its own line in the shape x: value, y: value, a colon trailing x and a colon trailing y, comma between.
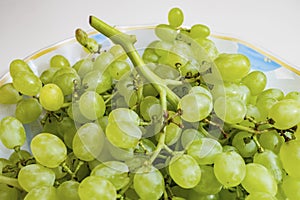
x: 179, y: 120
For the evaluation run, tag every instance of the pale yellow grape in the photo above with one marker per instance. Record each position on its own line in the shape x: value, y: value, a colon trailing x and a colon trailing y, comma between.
x: 51, y: 97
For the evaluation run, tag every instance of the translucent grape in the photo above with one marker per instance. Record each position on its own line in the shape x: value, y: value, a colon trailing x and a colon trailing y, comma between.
x: 88, y: 141
x: 59, y: 61
x: 42, y: 192
x: 165, y: 32
x: 83, y: 66
x: 195, y: 107
x: 173, y: 132
x: 91, y: 105
x: 94, y: 187
x: 149, y: 106
x: 290, y: 157
x: 152, y: 178
x: 35, y: 175
x: 123, y: 115
x: 68, y: 190
x: 118, y: 52
x: 48, y: 149
x: 9, y: 95
x: 204, y: 150
x: 97, y: 81
x: 28, y: 110
x: 51, y: 97
x: 175, y: 17
x: 259, y: 179
x: 244, y: 143
x: 114, y: 171
x: 27, y: 83
x: 285, y: 113
x: 12, y: 132
x: 103, y: 61
x: 229, y: 168
x: 185, y: 171
x: 188, y: 136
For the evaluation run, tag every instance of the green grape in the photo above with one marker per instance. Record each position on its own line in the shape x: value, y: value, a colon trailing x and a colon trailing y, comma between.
x: 150, y: 177
x: 47, y: 75
x: 202, y: 90
x: 88, y: 141
x: 123, y: 134
x: 244, y: 143
x: 166, y: 71
x: 272, y: 162
x: 173, y: 132
x: 118, y: 52
x: 8, y: 193
x: 264, y: 105
x: 227, y: 148
x: 75, y: 114
x: 274, y: 93
x: 293, y: 95
x: 149, y: 56
x: 204, y: 150
x: 209, y: 47
x: 42, y: 192
x: 19, y: 156
x: 91, y: 105
x: 290, y: 186
x: 185, y: 171
x: 260, y: 196
x: 259, y: 179
x: 48, y: 149
x: 253, y: 112
x: 123, y: 115
x: 83, y: 66
x: 66, y: 81
x: 59, y: 61
x: 35, y: 175
x: 232, y: 66
x: 150, y: 106
x: 51, y: 97
x: 195, y: 107
x: 199, y: 31
x: 121, y: 154
x: 18, y: 65
x: 188, y: 136
x: 285, y: 113
x: 230, y: 110
x: 103, y: 61
x: 271, y: 140
x: 256, y: 81
x: 95, y: 187
x: 97, y: 81
x: 27, y: 83
x: 114, y: 171
x: 12, y: 132
x: 28, y: 110
x: 9, y: 95
x: 68, y: 190
x: 290, y: 157
x: 165, y: 32
x: 175, y: 17
x: 229, y: 168
x: 118, y: 68
x: 51, y: 126
x: 208, y: 183
x: 162, y: 48
x: 67, y: 129
x: 103, y: 121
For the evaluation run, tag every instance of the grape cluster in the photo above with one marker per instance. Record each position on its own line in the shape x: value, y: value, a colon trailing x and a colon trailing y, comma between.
x: 181, y: 121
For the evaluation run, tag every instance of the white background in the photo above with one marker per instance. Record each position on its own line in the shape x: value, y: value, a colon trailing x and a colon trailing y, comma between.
x: 29, y: 25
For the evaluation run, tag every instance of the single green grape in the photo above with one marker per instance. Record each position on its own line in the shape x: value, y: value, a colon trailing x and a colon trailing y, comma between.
x: 18, y: 65
x: 91, y: 105
x: 285, y: 113
x: 51, y: 97
x: 47, y: 75
x: 9, y: 95
x: 150, y: 177
x: 293, y: 95
x: 259, y: 179
x: 68, y: 190
x: 188, y: 136
x: 175, y: 17
x: 165, y: 32
x: 149, y: 107
x: 75, y: 114
x: 48, y: 149
x: 118, y: 68
x: 256, y: 81
x: 208, y: 184
x: 114, y: 171
x: 229, y: 168
x: 185, y: 171
x: 95, y: 187
x: 27, y: 83
x: 290, y: 187
x: 290, y: 157
x: 88, y: 141
x: 97, y: 81
x: 35, y: 175
x: 42, y: 192
x: 83, y: 66
x: 12, y: 132
x: 173, y: 132
x: 59, y: 61
x: 271, y: 140
x: 204, y: 150
x: 244, y: 143
x: 199, y: 31
x: 232, y: 66
x: 123, y: 115
x: 103, y: 61
x: 66, y: 81
x: 28, y: 110
x: 274, y: 93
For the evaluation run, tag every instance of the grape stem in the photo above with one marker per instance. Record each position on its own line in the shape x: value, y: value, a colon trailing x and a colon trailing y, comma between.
x: 10, y: 181
x: 127, y: 41
x: 250, y: 130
